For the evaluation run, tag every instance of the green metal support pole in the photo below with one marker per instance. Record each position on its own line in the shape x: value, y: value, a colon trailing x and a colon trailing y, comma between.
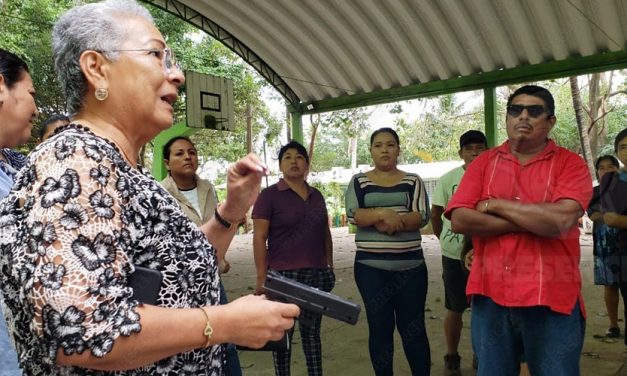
x: 489, y: 110
x: 158, y: 167
x: 297, y: 126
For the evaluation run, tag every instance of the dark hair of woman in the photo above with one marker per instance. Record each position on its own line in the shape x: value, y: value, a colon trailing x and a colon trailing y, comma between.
x: 11, y: 68
x: 294, y: 145
x: 610, y: 158
x: 385, y: 130
x: 168, y: 145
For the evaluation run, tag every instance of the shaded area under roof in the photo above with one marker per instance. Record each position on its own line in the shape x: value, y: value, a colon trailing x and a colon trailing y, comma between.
x: 324, y: 55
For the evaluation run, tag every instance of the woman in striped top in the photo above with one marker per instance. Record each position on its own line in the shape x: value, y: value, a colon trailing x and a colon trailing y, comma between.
x: 389, y: 206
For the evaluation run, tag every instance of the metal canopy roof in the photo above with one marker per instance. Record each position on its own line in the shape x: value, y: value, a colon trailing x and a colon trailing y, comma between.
x: 324, y: 55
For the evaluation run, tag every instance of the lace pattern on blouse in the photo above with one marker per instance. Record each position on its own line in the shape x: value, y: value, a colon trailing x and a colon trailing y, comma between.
x: 77, y: 221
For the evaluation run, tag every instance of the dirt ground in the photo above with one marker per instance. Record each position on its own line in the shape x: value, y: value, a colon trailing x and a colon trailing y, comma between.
x: 345, y: 347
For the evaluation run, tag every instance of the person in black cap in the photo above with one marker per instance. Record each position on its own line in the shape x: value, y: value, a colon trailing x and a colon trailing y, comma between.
x: 471, y: 144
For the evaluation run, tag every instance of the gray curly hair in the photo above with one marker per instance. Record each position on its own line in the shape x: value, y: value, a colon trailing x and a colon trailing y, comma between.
x: 96, y: 26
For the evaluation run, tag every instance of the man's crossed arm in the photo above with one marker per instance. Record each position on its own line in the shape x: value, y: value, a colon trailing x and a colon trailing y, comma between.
x: 499, y: 216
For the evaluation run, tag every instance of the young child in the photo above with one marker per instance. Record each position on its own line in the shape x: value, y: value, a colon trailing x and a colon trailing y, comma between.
x: 604, y: 244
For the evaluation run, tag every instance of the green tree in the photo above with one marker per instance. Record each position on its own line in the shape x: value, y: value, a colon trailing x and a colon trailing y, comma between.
x: 26, y: 28
x: 339, y: 138
x: 433, y: 135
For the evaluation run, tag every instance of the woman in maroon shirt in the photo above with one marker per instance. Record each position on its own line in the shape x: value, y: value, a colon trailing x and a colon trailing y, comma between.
x: 292, y: 237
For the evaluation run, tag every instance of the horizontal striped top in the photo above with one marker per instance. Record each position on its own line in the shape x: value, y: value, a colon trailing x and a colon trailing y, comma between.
x: 406, y: 196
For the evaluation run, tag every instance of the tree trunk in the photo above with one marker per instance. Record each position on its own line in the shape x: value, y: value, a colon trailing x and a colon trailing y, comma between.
x: 249, y: 128
x: 581, y: 126
x: 314, y: 130
x: 288, y: 120
x: 594, y: 104
x: 249, y: 149
x: 352, y: 144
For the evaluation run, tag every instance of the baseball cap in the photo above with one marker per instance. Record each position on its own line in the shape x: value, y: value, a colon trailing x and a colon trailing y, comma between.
x: 472, y: 137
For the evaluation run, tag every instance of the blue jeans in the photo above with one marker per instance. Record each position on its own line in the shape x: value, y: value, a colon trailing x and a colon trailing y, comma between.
x: 233, y: 367
x: 8, y: 357
x: 551, y: 341
x: 395, y: 299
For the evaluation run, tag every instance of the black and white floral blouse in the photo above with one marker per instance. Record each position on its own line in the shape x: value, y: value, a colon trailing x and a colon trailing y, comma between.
x: 77, y: 221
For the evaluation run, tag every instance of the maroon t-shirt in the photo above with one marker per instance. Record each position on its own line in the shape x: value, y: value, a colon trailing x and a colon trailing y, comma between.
x: 297, y: 227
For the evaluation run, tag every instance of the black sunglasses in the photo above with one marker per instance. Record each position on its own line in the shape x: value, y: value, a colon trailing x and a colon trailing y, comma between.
x: 533, y: 110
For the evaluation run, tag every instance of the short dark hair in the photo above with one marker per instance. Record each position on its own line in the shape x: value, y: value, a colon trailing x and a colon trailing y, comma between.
x: 622, y: 134
x: 294, y: 145
x: 168, y: 145
x: 472, y: 137
x: 11, y: 68
x: 51, y: 120
x: 536, y: 91
x: 385, y: 130
x: 607, y: 157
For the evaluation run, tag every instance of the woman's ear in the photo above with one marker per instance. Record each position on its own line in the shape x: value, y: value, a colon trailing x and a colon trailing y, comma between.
x: 3, y: 90
x: 95, y: 68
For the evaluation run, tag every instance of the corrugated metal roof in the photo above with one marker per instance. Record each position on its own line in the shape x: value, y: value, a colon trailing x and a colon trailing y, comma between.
x: 314, y: 50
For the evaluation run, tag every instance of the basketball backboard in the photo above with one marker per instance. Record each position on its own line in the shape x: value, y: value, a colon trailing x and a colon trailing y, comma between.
x: 209, y: 101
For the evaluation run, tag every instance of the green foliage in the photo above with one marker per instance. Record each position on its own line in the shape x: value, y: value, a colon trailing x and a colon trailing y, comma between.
x: 434, y: 135
x: 334, y: 133
x: 26, y: 28
x: 333, y: 194
x: 565, y: 132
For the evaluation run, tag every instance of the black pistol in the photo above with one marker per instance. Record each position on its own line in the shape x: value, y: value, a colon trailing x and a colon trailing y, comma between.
x: 280, y: 288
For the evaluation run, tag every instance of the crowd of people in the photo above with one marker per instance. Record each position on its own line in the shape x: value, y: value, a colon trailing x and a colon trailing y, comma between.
x: 80, y: 216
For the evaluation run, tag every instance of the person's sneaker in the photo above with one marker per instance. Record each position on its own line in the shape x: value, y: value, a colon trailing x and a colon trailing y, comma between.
x: 451, y: 365
x: 613, y: 332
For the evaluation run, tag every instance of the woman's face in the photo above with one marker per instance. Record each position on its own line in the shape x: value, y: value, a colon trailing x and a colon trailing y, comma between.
x: 293, y: 164
x: 606, y: 166
x: 17, y: 111
x: 384, y: 150
x: 183, y: 159
x: 141, y: 90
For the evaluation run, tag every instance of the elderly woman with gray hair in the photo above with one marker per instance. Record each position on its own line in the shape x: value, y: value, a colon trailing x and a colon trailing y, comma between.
x: 83, y: 216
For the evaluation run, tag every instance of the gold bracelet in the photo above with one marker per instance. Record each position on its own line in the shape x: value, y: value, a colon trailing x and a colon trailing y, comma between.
x: 486, y: 206
x: 208, y: 332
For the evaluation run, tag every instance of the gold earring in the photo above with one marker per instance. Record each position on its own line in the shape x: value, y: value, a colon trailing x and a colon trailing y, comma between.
x: 101, y: 94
